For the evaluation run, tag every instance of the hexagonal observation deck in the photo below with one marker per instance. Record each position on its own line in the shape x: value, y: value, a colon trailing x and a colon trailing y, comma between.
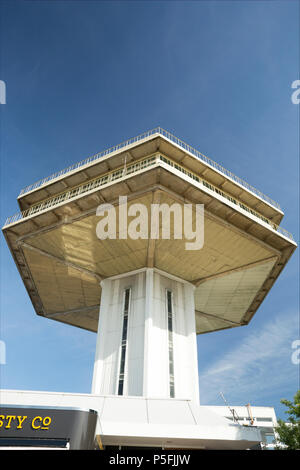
x: 65, y: 266
x: 155, y: 290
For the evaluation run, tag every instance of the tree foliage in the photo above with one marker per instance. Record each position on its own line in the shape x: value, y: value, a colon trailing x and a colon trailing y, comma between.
x: 289, y: 431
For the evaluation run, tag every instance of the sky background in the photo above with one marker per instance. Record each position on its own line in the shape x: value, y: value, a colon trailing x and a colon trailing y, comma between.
x: 83, y: 76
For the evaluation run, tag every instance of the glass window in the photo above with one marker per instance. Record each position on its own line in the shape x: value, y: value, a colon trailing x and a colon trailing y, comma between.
x: 170, y: 343
x: 124, y: 341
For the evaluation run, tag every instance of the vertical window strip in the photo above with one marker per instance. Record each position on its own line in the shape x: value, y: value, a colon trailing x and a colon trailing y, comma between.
x: 170, y: 343
x: 124, y: 341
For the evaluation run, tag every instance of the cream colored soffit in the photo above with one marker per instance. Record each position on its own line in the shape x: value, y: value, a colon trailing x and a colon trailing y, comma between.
x: 223, y: 302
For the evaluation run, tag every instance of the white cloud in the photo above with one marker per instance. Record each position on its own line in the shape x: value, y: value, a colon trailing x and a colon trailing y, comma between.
x: 260, y: 363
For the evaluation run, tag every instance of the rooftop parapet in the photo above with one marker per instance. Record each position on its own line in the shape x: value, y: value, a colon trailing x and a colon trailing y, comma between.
x: 120, y: 174
x: 156, y: 131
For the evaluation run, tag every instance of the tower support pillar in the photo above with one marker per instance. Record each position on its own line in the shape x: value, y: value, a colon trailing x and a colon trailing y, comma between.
x: 146, y: 340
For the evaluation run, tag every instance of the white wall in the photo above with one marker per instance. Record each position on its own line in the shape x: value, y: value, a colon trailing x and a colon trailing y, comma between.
x: 147, y: 353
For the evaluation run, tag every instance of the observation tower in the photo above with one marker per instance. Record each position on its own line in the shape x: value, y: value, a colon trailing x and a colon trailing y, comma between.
x: 146, y: 288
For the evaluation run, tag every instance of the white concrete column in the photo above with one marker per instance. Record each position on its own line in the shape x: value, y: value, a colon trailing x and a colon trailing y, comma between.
x: 156, y: 361
x: 100, y: 344
x: 148, y: 359
x: 191, y: 350
x: 144, y: 343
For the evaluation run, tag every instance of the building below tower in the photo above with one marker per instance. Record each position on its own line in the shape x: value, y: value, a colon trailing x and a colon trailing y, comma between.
x: 123, y: 421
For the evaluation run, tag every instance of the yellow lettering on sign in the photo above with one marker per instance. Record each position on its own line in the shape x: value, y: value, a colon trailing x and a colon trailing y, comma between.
x: 37, y: 422
x: 9, y: 418
x: 21, y: 419
x: 46, y: 422
x: 33, y: 422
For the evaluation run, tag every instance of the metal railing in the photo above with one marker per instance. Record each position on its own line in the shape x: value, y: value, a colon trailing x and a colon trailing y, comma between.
x: 218, y: 167
x: 125, y: 171
x: 224, y: 194
x: 88, y: 160
x: 144, y: 135
x: 81, y: 189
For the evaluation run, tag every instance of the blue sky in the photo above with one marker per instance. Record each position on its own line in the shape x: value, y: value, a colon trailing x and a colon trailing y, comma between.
x: 82, y: 76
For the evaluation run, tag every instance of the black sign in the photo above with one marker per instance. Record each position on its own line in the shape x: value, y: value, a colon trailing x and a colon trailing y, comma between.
x: 47, y: 427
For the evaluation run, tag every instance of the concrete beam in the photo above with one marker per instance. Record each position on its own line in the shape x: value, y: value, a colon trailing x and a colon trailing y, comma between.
x: 230, y: 322
x: 74, y: 310
x: 61, y: 260
x: 151, y: 241
x: 234, y: 270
